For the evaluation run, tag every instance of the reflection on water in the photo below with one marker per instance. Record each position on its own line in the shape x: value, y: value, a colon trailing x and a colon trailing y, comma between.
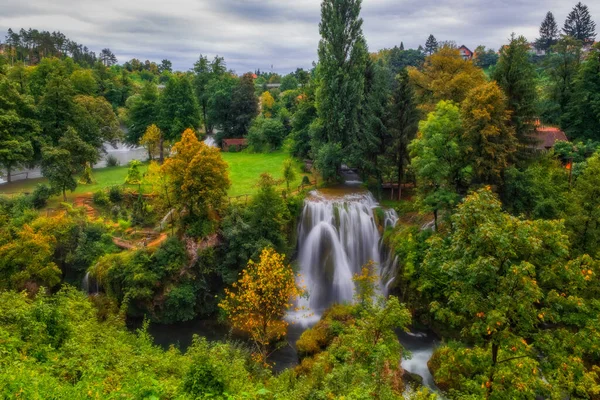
x: 181, y: 334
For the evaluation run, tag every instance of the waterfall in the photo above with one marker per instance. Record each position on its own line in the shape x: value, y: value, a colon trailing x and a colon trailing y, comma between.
x: 89, y: 284
x: 337, y: 235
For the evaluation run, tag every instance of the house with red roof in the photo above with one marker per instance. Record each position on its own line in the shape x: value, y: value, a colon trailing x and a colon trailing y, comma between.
x: 465, y: 53
x: 546, y: 136
x: 237, y: 144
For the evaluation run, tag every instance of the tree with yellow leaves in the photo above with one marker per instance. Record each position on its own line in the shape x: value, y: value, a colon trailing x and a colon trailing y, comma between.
x: 267, y: 102
x: 260, y: 299
x: 444, y: 76
x: 151, y: 141
x: 198, y: 176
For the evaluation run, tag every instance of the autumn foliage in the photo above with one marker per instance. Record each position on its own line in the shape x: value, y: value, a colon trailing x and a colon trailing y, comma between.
x: 198, y: 175
x: 259, y: 300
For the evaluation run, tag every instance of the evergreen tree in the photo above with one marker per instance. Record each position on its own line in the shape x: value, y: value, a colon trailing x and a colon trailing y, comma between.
x: 142, y: 113
x: 56, y: 108
x: 431, y: 45
x: 582, y: 120
x: 243, y: 108
x: 402, y: 126
x: 579, y: 24
x: 19, y: 128
x: 516, y: 76
x: 178, y: 109
x: 548, y: 33
x: 401, y: 46
x: 562, y: 67
x: 342, y: 62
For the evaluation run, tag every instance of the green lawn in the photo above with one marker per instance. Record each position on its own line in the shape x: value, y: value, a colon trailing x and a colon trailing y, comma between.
x: 245, y: 169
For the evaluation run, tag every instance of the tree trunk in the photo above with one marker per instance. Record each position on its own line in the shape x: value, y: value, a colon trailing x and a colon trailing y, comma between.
x: 490, y: 382
x: 400, y: 178
x: 8, y: 176
x: 435, y: 218
x: 162, y: 149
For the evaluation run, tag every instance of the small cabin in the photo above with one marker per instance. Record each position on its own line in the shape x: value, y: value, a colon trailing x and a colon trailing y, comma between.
x: 237, y: 144
x: 465, y: 53
x: 546, y: 136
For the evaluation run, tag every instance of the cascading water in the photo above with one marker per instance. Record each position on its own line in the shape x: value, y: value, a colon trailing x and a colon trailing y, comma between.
x: 89, y: 284
x: 337, y: 235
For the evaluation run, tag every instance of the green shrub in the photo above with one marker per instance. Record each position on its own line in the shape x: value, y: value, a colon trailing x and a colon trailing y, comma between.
x: 112, y: 161
x: 40, y: 195
x: 305, y: 180
x: 115, y: 194
x: 134, y: 175
x: 100, y: 198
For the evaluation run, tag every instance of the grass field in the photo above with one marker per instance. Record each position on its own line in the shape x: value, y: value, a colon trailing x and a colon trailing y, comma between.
x: 245, y: 169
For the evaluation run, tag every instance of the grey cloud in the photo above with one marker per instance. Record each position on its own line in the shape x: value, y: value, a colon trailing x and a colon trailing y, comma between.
x: 254, y: 34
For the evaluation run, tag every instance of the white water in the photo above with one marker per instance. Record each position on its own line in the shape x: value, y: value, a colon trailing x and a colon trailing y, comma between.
x: 210, y: 141
x: 89, y: 284
x: 337, y: 236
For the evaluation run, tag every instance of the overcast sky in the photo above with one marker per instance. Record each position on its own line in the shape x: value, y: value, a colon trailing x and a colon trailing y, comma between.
x: 254, y: 34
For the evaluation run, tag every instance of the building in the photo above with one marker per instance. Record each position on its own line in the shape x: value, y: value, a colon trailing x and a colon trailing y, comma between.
x: 546, y: 136
x: 237, y: 144
x: 535, y: 51
x: 465, y: 53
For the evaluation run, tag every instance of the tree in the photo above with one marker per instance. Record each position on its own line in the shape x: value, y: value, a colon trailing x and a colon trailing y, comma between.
x: 516, y: 76
x: 198, y: 176
x: 562, y: 66
x: 438, y: 159
x: 143, y: 110
x: 151, y: 141
x: 341, y: 69
x: 243, y: 107
x: 84, y: 82
x: 289, y: 82
x: 107, y: 58
x: 178, y: 109
x: 399, y: 59
x: 485, y: 58
x: 444, y: 76
x: 402, y: 126
x: 579, y: 24
x: 205, y: 73
x: 56, y: 108
x: 288, y: 172
x: 267, y: 102
x: 258, y: 302
x: 582, y: 120
x: 489, y: 272
x: 62, y: 163
x: 584, y: 216
x: 165, y: 65
x: 18, y: 128
x: 26, y: 262
x: 548, y: 33
x: 95, y: 121
x: 431, y: 45
x: 488, y: 138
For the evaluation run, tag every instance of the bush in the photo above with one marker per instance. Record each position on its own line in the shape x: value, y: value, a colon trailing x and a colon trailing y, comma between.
x: 40, y: 195
x: 112, y: 161
x: 100, y: 198
x: 134, y: 175
x: 266, y: 134
x: 305, y: 180
x: 115, y: 194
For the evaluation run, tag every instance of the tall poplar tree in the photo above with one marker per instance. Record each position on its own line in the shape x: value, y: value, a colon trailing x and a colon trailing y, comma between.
x: 516, y: 76
x: 548, y: 33
x: 342, y: 62
x: 579, y: 24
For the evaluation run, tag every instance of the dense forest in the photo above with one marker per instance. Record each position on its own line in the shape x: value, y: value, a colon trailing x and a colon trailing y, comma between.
x: 497, y: 241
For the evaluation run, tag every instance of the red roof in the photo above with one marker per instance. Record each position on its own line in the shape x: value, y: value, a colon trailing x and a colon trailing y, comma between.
x: 234, y: 142
x: 547, y: 136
